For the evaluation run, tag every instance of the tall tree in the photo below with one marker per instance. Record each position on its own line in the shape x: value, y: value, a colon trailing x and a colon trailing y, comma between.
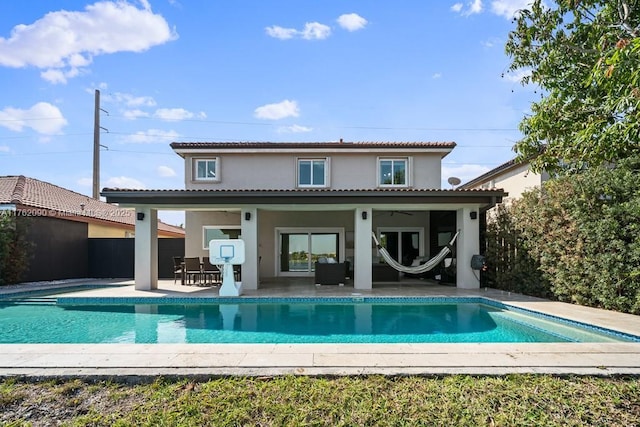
x: 585, y: 55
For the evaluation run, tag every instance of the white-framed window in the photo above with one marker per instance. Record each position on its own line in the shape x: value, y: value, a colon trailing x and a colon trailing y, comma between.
x: 206, y: 169
x: 313, y: 172
x: 217, y: 232
x: 393, y: 172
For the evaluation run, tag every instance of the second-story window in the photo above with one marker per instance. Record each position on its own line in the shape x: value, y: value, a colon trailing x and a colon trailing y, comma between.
x: 312, y: 172
x: 392, y: 172
x: 206, y: 170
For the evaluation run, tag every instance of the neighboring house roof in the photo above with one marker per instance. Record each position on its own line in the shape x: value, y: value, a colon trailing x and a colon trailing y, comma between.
x: 511, y: 164
x: 46, y: 199
x: 185, y: 147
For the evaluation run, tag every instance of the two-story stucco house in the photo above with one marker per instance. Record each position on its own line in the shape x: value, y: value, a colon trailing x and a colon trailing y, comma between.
x: 292, y: 202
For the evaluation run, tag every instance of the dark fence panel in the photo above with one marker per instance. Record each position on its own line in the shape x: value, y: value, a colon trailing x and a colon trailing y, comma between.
x: 167, y: 249
x: 115, y: 257
x: 111, y: 257
x: 58, y: 249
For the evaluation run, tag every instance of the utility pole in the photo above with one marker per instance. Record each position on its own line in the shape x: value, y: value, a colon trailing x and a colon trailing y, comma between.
x: 97, y: 145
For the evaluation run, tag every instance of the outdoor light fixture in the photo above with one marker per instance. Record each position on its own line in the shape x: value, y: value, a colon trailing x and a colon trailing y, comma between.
x: 247, y: 216
x: 473, y: 215
x: 364, y: 215
x: 140, y: 216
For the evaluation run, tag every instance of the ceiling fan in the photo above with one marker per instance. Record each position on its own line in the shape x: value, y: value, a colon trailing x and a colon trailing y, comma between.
x: 402, y: 213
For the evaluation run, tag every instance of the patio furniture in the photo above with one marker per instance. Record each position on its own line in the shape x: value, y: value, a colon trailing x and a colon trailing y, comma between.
x: 192, y: 270
x: 330, y: 273
x: 384, y: 273
x: 177, y: 268
x: 210, y: 272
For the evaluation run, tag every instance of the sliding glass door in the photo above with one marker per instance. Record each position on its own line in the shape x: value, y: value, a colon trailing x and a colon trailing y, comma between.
x: 404, y: 245
x: 299, y: 250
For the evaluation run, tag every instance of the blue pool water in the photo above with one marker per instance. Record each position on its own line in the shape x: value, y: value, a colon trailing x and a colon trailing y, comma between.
x: 283, y: 322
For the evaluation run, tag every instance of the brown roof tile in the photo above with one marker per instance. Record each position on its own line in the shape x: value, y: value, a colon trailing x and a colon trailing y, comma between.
x: 21, y: 190
x: 331, y: 145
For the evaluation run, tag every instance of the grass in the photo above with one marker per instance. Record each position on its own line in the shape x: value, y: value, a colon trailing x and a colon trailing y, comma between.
x: 335, y: 401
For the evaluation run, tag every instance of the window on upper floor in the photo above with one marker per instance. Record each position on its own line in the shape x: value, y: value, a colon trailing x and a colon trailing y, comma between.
x: 206, y: 169
x: 393, y: 172
x: 312, y: 172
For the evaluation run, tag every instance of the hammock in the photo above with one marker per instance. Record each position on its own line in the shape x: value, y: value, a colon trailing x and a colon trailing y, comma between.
x: 422, y: 268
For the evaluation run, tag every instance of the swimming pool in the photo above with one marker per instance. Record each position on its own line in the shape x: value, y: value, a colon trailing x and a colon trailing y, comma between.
x: 285, y: 320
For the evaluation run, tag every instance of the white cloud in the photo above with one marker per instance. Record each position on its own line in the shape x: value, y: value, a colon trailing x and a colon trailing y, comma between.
x: 64, y: 42
x: 436, y: 75
x: 166, y: 171
x: 472, y: 8
x: 5, y: 149
x: 124, y: 182
x: 43, y: 118
x: 491, y: 42
x: 174, y: 114
x: 152, y: 136
x: 311, y: 31
x: 85, y: 182
x: 352, y: 22
x: 517, y: 76
x: 509, y: 8
x: 315, y: 31
x: 466, y: 172
x: 294, y: 129
x: 128, y: 99
x: 278, y: 111
x: 134, y: 114
x: 281, y: 33
x: 475, y: 7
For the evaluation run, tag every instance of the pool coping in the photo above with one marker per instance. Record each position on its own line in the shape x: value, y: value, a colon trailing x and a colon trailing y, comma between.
x: 146, y: 361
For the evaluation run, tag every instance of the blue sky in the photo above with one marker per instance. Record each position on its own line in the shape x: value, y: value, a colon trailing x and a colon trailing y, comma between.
x: 249, y: 70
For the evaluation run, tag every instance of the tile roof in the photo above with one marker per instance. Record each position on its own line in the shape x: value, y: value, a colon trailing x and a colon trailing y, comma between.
x: 330, y: 145
x: 487, y: 175
x: 33, y: 193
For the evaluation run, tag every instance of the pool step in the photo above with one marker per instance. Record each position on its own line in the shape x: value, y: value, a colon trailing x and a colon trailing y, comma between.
x: 36, y: 300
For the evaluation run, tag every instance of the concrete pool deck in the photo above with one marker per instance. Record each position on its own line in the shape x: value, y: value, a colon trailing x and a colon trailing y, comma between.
x: 205, y: 360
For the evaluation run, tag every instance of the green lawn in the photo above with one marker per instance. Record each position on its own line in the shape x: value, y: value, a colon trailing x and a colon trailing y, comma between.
x: 336, y: 401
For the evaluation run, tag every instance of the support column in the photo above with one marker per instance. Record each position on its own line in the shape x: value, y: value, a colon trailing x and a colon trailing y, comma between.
x: 467, y: 245
x: 249, y: 224
x: 362, y: 248
x: 146, y: 249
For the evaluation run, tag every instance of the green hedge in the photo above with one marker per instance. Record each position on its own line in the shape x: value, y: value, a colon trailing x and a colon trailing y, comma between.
x: 576, y: 239
x: 14, y: 248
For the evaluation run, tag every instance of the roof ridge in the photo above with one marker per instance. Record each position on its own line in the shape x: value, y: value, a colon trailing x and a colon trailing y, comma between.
x: 18, y: 190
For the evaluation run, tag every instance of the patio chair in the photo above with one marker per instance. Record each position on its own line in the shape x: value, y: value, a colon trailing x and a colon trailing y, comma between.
x: 177, y: 268
x: 210, y: 271
x: 330, y: 273
x: 192, y: 269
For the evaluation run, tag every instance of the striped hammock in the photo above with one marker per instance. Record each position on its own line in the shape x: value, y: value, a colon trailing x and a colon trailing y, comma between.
x: 422, y: 268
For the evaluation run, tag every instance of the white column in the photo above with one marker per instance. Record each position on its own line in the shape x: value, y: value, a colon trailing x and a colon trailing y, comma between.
x: 146, y: 249
x: 249, y: 224
x: 467, y: 245
x: 362, y: 248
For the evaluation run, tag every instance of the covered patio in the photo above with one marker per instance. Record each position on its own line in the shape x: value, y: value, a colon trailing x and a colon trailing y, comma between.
x: 254, y: 207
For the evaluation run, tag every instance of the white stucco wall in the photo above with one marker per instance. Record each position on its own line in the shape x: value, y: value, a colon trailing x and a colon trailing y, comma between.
x: 276, y: 171
x: 517, y: 180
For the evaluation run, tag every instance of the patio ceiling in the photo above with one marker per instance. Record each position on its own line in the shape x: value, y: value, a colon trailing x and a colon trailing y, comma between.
x: 307, y: 199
